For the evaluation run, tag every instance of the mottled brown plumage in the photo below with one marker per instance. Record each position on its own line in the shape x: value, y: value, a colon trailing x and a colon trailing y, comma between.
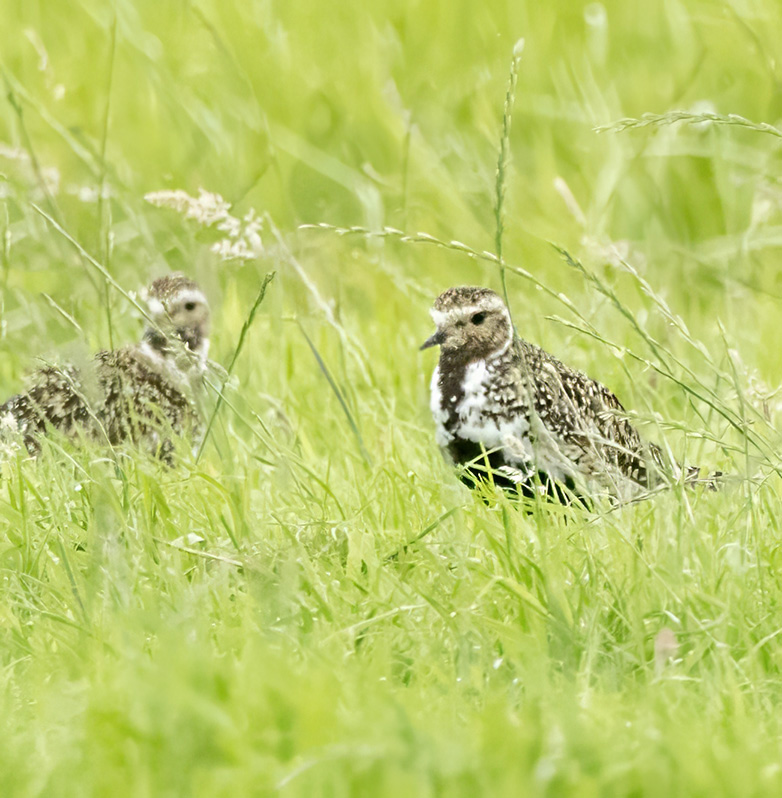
x: 141, y: 393
x: 537, y: 424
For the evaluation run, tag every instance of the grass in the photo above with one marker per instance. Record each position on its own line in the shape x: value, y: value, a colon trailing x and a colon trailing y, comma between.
x: 315, y: 606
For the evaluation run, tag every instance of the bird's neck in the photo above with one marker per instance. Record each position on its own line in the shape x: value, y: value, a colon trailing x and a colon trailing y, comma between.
x: 179, y: 342
x: 458, y: 360
x: 157, y: 341
x: 452, y: 382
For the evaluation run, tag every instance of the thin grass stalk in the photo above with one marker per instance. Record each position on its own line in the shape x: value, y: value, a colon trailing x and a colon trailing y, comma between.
x: 689, y: 118
x: 72, y: 580
x: 452, y: 245
x: 198, y: 553
x: 423, y: 533
x: 237, y: 351
x: 335, y: 388
x: 752, y: 520
x: 406, y: 165
x: 348, y: 342
x: 706, y: 395
x: 28, y: 144
x: 104, y: 209
x: 502, y: 165
x: 64, y: 313
x: 99, y: 267
x: 5, y: 257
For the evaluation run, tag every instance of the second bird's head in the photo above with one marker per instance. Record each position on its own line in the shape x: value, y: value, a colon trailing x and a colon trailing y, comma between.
x: 472, y: 323
x: 178, y: 307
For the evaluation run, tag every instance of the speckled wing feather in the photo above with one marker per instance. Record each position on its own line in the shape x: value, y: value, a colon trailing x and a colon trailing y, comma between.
x: 588, y: 420
x: 122, y: 395
x: 53, y: 401
x: 141, y: 403
x: 145, y: 393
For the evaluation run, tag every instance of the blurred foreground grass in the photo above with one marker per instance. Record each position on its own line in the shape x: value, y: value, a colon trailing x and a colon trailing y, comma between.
x: 239, y: 626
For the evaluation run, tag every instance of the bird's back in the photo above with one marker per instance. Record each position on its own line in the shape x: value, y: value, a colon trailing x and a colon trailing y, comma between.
x: 142, y: 397
x: 55, y: 400
x: 587, y: 422
x: 121, y: 395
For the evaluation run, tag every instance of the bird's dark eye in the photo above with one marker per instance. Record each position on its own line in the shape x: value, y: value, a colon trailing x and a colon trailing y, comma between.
x: 190, y: 305
x: 478, y: 318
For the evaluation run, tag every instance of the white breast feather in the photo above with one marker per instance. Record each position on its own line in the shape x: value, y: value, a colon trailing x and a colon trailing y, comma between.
x: 509, y: 434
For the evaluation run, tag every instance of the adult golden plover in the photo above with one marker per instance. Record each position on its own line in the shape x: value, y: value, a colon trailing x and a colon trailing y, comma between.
x: 141, y: 393
x: 505, y: 407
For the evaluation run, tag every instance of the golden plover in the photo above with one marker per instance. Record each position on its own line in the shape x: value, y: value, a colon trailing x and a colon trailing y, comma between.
x: 140, y: 393
x: 505, y: 406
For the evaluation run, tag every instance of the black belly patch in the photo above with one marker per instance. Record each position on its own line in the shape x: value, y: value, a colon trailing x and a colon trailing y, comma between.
x: 539, y: 484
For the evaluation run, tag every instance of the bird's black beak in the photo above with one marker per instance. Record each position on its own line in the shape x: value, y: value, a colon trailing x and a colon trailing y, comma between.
x: 435, y: 340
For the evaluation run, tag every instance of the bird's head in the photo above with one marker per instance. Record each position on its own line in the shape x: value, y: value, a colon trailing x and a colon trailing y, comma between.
x: 472, y: 323
x: 178, y: 308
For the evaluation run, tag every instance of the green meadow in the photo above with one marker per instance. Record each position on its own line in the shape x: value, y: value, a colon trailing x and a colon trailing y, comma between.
x: 314, y: 605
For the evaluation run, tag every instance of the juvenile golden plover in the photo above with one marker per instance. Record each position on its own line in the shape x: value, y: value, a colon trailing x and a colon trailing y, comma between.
x: 506, y: 407
x: 140, y: 393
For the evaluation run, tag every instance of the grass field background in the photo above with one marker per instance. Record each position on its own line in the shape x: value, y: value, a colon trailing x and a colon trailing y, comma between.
x: 316, y: 606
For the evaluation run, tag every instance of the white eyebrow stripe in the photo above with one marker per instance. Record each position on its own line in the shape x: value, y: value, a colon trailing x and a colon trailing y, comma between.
x: 177, y: 299
x: 189, y: 295
x: 443, y: 317
x: 155, y: 306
